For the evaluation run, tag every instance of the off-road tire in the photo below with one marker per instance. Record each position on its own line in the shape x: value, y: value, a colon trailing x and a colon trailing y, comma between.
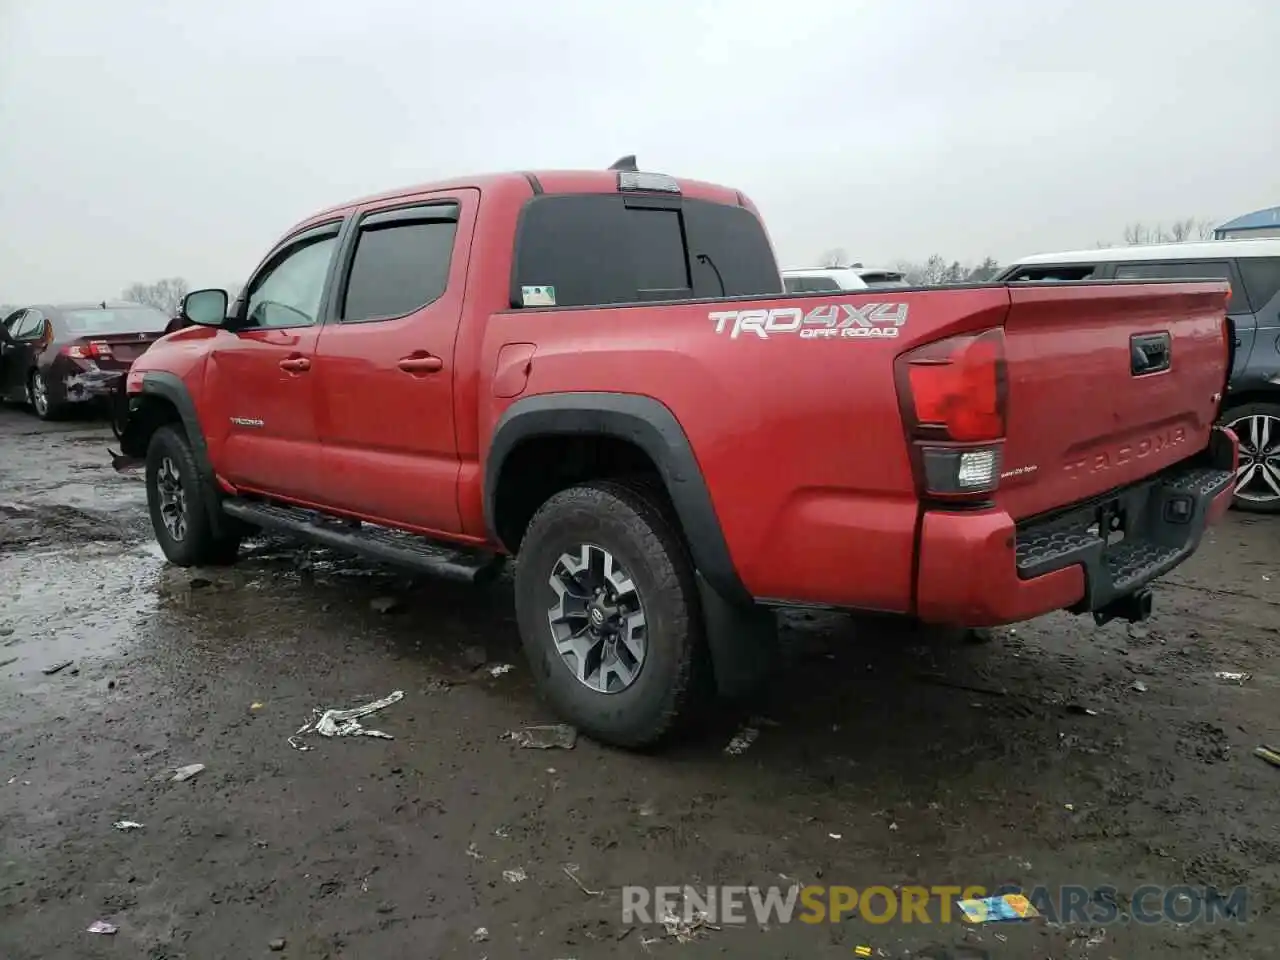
x: 627, y: 523
x: 1256, y: 409
x: 199, y: 546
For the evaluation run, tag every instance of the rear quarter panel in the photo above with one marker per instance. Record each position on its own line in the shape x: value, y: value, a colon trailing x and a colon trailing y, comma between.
x: 799, y: 439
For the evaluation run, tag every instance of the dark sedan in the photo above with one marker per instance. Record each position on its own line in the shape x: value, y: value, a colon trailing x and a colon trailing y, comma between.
x: 55, y: 356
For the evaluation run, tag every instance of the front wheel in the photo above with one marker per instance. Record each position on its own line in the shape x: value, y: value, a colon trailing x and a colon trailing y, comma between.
x: 179, y: 507
x: 609, y: 615
x: 1257, y: 426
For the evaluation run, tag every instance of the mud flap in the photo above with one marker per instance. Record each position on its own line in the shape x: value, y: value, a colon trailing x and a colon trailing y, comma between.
x: 743, y: 641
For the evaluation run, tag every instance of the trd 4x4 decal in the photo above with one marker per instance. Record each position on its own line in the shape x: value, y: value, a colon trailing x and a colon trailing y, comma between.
x: 830, y: 321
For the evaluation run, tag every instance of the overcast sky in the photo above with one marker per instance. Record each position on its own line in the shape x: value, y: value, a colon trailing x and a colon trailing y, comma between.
x: 141, y: 139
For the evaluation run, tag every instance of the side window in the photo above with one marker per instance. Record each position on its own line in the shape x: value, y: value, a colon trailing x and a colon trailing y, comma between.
x: 287, y: 293
x: 30, y: 326
x: 401, y: 262
x: 14, y: 321
x: 1056, y: 272
x: 1186, y: 270
x: 1261, y: 278
x: 822, y: 285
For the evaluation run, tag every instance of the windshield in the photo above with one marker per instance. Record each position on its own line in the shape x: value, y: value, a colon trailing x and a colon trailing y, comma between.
x: 98, y: 322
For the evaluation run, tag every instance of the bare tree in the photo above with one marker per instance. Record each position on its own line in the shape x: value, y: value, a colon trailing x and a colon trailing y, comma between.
x: 164, y: 294
x: 836, y: 257
x: 1180, y: 231
x: 987, y: 269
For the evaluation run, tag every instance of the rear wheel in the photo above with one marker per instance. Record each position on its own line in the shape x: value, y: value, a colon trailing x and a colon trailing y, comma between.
x: 178, y: 502
x: 38, y: 397
x: 1257, y: 426
x: 609, y: 617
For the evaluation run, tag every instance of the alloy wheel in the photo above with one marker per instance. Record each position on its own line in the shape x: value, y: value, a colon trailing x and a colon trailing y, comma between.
x: 597, y: 622
x: 38, y: 393
x: 1258, y: 476
x: 173, y: 499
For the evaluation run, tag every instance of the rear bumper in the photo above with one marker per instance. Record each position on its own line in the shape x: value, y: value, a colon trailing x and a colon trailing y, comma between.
x: 82, y: 385
x: 983, y: 569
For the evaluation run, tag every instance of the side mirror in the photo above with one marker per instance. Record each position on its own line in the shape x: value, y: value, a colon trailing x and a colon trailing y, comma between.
x: 208, y: 308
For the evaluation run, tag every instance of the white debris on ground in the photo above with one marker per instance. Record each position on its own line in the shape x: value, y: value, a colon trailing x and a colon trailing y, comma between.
x: 686, y: 931
x: 545, y: 736
x: 344, y: 723
x: 499, y: 669
x: 127, y: 825
x: 515, y: 876
x: 1233, y: 676
x: 187, y: 772
x: 742, y: 741
x: 101, y: 926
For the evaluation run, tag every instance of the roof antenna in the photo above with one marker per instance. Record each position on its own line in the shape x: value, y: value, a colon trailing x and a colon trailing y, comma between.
x: 625, y: 163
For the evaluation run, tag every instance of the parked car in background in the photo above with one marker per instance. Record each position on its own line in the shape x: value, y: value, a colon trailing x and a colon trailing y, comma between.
x: 880, y: 277
x: 822, y: 280
x: 55, y: 356
x: 1252, y: 405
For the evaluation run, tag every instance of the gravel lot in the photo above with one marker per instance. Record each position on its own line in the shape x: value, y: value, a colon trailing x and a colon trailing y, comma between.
x: 1056, y: 753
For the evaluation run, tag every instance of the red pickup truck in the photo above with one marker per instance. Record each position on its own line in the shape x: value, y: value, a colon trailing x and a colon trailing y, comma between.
x: 600, y: 374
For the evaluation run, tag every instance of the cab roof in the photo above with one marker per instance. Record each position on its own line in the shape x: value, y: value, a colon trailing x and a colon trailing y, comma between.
x: 545, y: 181
x: 1199, y: 250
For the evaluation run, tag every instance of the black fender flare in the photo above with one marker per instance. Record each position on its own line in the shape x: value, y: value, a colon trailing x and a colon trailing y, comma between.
x: 170, y: 387
x: 653, y: 428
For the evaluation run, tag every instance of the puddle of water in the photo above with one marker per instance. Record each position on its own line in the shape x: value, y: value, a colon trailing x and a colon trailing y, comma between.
x: 69, y: 604
x: 110, y: 494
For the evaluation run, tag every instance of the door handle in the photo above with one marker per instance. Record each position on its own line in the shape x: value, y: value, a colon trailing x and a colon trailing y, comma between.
x: 295, y: 364
x: 421, y: 364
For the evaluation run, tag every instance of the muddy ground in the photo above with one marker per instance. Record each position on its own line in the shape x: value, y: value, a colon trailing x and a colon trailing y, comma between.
x: 934, y: 761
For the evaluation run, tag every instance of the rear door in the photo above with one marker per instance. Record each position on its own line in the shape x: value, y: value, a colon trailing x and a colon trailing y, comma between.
x: 259, y: 382
x: 385, y: 373
x: 1107, y: 384
x: 1244, y: 325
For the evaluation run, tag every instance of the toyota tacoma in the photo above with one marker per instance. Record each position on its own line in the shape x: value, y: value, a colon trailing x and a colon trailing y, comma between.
x: 600, y: 374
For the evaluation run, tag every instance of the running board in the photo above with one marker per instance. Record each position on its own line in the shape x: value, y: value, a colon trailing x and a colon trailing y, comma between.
x: 368, y: 540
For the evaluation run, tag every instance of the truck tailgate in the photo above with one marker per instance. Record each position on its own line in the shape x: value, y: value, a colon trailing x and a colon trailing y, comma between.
x: 1108, y: 383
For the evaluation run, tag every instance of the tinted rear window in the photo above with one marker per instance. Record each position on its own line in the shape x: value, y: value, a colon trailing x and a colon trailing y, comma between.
x: 96, y: 321
x: 1261, y: 278
x: 597, y: 249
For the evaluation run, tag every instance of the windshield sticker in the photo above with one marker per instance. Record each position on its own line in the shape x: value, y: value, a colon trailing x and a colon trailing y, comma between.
x: 843, y: 321
x: 538, y: 296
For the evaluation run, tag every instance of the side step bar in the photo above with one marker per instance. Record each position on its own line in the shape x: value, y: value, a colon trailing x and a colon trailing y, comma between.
x: 368, y: 540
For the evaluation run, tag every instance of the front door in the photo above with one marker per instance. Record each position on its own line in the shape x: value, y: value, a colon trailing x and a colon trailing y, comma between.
x: 385, y: 363
x: 260, y: 378
x: 14, y: 358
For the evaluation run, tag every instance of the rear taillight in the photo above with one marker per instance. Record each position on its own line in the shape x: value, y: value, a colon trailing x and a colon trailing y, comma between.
x: 953, y: 395
x: 93, y: 350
